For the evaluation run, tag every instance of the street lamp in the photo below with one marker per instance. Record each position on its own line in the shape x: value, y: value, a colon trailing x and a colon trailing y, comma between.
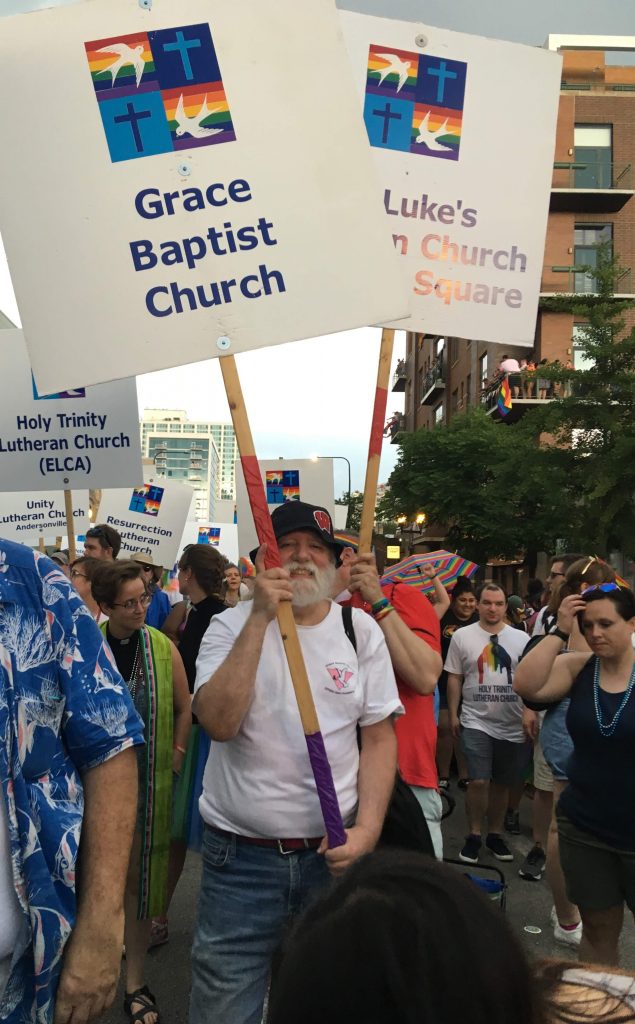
x: 314, y: 458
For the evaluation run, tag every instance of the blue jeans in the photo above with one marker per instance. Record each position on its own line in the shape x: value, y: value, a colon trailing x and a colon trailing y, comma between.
x: 248, y: 896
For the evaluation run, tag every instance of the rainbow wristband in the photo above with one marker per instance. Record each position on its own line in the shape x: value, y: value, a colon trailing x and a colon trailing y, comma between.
x: 384, y: 612
x: 379, y: 606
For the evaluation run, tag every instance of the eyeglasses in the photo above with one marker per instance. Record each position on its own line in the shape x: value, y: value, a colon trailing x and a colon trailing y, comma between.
x: 606, y: 588
x: 147, y: 568
x: 75, y: 573
x: 553, y: 574
x: 95, y: 531
x: 130, y: 605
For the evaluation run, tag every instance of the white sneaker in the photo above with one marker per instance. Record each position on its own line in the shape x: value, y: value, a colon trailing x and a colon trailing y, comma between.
x: 568, y: 937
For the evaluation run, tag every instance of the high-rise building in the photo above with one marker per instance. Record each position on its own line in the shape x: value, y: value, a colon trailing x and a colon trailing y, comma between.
x: 193, y: 452
x: 591, y: 203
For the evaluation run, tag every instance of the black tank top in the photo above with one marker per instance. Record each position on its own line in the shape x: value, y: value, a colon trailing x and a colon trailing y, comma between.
x: 600, y: 797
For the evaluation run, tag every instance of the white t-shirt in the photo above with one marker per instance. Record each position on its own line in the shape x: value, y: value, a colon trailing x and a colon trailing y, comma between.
x: 10, y: 910
x: 260, y: 783
x: 489, y: 703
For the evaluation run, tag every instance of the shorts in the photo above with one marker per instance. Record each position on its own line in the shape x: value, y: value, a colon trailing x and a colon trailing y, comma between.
x: 489, y: 758
x: 557, y: 745
x: 543, y: 776
x: 598, y: 876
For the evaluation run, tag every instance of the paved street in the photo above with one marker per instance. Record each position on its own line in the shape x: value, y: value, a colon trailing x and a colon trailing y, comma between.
x: 528, y: 904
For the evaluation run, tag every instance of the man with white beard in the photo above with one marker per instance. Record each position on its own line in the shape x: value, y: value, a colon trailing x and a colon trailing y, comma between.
x: 264, y: 851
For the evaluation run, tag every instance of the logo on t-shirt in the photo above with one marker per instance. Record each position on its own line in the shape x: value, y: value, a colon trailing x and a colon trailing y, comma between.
x: 341, y: 674
x: 496, y: 659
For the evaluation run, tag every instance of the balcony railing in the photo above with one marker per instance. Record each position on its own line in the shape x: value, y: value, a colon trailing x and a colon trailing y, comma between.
x: 400, y: 376
x: 528, y: 389
x: 433, y: 382
x: 580, y: 281
x: 585, y: 174
x: 590, y: 186
x: 395, y: 426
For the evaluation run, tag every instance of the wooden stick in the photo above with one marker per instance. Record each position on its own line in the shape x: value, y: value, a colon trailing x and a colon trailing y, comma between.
x: 41, y: 545
x: 70, y: 526
x: 264, y: 529
x: 376, y: 438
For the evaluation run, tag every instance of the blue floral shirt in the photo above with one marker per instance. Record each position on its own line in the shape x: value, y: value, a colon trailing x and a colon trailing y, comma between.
x: 63, y: 710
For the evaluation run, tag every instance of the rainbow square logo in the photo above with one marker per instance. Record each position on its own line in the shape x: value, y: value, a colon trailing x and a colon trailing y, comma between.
x: 159, y: 92
x: 414, y: 102
x: 282, y: 485
x: 209, y: 535
x: 146, y: 500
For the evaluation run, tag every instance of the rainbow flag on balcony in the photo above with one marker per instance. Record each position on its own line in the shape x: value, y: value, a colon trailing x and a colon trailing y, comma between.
x: 504, y: 397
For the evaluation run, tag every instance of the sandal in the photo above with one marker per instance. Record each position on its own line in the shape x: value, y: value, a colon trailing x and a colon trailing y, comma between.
x: 159, y: 933
x: 148, y: 1005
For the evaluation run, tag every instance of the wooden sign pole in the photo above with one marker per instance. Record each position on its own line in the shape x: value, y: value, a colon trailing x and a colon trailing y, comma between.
x: 376, y: 438
x: 70, y: 526
x: 286, y: 621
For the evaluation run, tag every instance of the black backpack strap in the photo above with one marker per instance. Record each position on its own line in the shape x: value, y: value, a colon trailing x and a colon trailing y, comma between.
x: 347, y: 620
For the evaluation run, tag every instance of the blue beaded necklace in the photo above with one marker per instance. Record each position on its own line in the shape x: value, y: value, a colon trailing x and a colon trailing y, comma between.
x: 609, y: 728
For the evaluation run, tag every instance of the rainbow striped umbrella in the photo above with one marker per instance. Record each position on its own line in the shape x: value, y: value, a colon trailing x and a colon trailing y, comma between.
x: 448, y: 567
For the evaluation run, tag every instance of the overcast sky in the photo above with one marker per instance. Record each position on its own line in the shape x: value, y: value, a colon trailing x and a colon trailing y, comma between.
x: 315, y: 397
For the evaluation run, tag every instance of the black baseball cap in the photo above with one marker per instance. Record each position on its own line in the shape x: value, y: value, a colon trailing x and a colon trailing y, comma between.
x: 299, y: 515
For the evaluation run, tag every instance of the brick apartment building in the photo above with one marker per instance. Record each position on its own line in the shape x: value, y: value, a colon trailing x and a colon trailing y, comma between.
x: 591, y: 202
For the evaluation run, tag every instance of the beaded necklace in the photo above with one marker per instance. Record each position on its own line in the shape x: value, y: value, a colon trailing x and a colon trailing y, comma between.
x: 134, y: 675
x: 609, y: 728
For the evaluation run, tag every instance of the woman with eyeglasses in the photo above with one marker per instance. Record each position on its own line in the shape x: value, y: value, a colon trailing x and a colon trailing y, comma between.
x: 596, y: 811
x: 154, y: 674
x: 82, y: 571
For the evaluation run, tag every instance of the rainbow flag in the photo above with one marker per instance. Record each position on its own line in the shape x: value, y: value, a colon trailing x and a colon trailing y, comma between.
x: 504, y: 397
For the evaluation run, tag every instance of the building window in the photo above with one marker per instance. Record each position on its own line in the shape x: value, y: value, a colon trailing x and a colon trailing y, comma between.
x: 580, y: 361
x: 482, y: 368
x: 438, y: 414
x: 468, y: 389
x: 439, y: 345
x: 587, y: 238
x: 454, y: 350
x: 593, y: 150
x: 455, y: 400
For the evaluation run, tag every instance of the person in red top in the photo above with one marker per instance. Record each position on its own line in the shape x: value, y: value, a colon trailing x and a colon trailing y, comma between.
x: 411, y: 630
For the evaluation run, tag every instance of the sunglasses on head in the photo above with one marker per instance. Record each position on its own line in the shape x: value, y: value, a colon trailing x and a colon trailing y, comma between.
x: 146, y: 568
x: 606, y: 588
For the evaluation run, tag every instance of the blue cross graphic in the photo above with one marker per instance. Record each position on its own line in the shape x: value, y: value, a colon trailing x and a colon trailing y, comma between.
x: 441, y: 73
x: 388, y: 116
x: 133, y: 117
x: 182, y: 45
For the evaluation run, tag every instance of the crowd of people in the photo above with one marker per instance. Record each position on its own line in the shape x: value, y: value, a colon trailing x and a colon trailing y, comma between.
x: 134, y: 729
x: 525, y: 378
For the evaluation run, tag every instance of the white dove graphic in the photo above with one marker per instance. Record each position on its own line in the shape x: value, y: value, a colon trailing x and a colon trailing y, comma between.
x: 192, y: 125
x: 127, y: 55
x: 430, y: 139
x: 396, y: 66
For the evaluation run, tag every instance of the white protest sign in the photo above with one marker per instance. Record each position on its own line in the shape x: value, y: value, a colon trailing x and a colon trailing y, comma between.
x: 25, y: 517
x: 88, y: 437
x: 199, y: 183
x: 284, y: 480
x: 150, y: 518
x: 463, y: 134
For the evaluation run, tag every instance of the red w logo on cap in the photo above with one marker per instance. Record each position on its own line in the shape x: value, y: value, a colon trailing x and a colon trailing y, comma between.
x: 323, y: 520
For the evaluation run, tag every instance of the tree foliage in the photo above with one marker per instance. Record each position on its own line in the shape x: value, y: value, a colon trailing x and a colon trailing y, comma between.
x: 563, y: 475
x: 591, y: 428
